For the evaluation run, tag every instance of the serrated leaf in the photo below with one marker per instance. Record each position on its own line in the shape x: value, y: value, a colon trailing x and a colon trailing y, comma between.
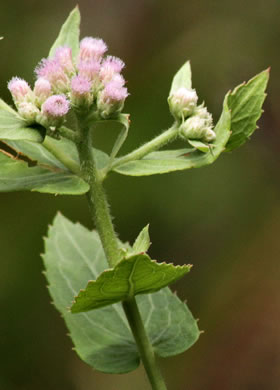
x: 176, y: 160
x: 16, y: 175
x: 69, y: 34
x: 245, y: 103
x: 134, y: 275
x: 183, y: 78
x: 142, y: 242
x: 102, y: 338
x: 12, y: 127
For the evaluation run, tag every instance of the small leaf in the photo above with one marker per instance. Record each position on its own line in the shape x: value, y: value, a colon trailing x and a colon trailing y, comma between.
x: 13, y: 127
x: 245, y: 103
x: 176, y: 160
x: 69, y: 34
x: 142, y: 242
x: 199, y: 145
x: 6, y: 107
x: 183, y: 78
x: 102, y: 338
x: 134, y: 275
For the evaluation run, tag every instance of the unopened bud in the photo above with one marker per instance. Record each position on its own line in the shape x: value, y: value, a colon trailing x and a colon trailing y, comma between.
x: 20, y: 90
x: 111, y: 99
x: 92, y: 49
x: 81, y: 92
x: 28, y: 111
x: 52, y: 71
x: 54, y: 110
x: 182, y: 102
x: 110, y: 67
x: 42, y: 90
x: 196, y: 128
x: 64, y: 56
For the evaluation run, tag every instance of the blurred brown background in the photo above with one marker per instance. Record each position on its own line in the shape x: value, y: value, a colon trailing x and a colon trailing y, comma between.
x: 225, y: 218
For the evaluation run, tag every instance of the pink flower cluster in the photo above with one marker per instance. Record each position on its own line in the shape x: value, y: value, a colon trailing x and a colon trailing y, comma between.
x: 90, y: 82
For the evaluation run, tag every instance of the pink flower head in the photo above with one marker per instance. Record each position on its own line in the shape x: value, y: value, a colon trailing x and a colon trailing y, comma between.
x: 56, y: 106
x: 19, y: 89
x: 92, y: 48
x: 110, y: 66
x: 52, y: 71
x: 114, y: 92
x: 89, y: 70
x: 64, y: 57
x: 42, y: 89
x: 80, y: 86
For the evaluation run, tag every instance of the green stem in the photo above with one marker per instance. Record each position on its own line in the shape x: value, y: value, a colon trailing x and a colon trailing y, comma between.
x: 155, y: 144
x: 99, y: 210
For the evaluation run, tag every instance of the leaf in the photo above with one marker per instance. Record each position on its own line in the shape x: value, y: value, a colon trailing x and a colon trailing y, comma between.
x: 176, y: 160
x: 183, y: 78
x: 16, y: 175
x: 6, y: 107
x: 142, y: 242
x: 202, y: 147
x: 13, y: 127
x: 102, y: 338
x: 245, y: 103
x: 69, y: 34
x: 134, y: 275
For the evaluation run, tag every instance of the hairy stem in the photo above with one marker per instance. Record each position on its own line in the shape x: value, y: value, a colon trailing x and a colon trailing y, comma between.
x: 99, y: 210
x: 155, y: 144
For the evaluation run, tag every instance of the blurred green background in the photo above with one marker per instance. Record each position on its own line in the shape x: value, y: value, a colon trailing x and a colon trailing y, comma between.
x: 224, y: 219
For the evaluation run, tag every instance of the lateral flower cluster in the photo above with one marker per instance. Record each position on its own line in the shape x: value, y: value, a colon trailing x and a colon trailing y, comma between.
x: 92, y: 82
x: 196, y: 121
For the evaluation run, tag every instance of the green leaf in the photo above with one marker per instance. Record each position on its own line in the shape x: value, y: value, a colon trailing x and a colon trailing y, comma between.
x: 245, y: 103
x: 69, y: 34
x: 199, y: 145
x: 176, y: 160
x: 102, y: 338
x: 134, y: 275
x: 142, y: 242
x: 16, y: 175
x: 183, y: 78
x: 6, y: 107
x: 13, y: 127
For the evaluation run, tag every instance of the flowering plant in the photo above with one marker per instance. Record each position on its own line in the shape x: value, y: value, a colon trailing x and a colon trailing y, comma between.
x: 115, y: 300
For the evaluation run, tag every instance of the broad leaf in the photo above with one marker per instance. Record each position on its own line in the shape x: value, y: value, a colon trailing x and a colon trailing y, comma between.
x: 183, y: 78
x: 142, y: 242
x: 134, y: 275
x: 69, y: 34
x: 13, y: 127
x: 16, y: 175
x: 102, y: 338
x: 245, y: 103
x: 176, y: 160
x: 6, y: 107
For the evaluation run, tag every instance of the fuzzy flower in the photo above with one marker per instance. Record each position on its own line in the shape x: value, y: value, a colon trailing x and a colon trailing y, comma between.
x: 89, y: 70
x: 52, y: 71
x: 111, y: 99
x: 110, y: 67
x: 56, y: 106
x: 92, y: 49
x: 42, y: 90
x: 19, y: 89
x: 81, y: 91
x: 64, y: 56
x: 182, y: 102
x: 197, y: 128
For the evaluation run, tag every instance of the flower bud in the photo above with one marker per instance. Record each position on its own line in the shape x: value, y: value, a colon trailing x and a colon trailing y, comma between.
x: 54, y: 110
x: 110, y: 67
x: 28, y: 111
x: 203, y: 113
x: 63, y: 55
x: 52, y: 71
x: 196, y: 128
x: 182, y: 102
x: 42, y: 90
x: 92, y: 49
x: 81, y: 92
x: 89, y: 70
x: 20, y: 90
x: 111, y: 99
